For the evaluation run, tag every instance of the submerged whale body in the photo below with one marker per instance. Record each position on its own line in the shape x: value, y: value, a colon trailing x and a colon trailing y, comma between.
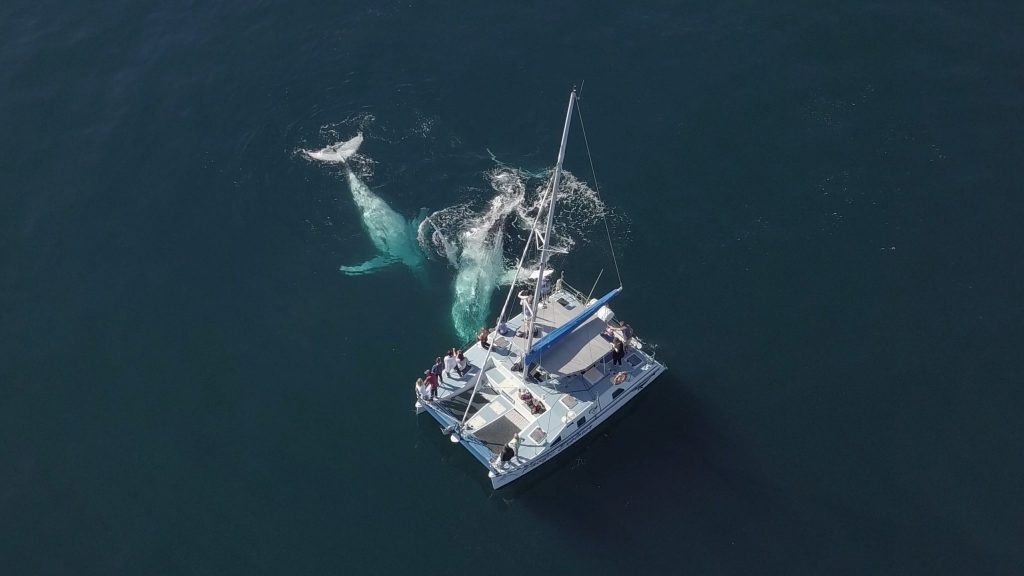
x: 392, y: 235
x: 481, y: 270
x: 473, y: 243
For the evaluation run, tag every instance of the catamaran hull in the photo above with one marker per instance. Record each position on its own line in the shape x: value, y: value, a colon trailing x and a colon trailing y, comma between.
x: 506, y: 477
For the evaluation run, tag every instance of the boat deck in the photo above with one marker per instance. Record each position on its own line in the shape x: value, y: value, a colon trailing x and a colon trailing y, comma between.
x: 572, y: 381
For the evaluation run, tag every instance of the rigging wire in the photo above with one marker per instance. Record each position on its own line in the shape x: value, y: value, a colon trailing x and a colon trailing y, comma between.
x: 597, y: 190
x: 522, y: 261
x: 594, y: 287
x: 476, y: 385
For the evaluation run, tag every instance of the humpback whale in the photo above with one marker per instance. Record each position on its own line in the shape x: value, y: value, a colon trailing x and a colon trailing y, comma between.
x: 473, y: 242
x: 392, y: 235
x: 481, y: 270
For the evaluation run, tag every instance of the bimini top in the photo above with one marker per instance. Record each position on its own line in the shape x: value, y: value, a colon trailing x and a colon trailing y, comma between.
x: 552, y: 338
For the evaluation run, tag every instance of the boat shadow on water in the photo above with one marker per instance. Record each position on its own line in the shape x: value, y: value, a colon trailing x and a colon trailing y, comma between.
x: 658, y: 457
x: 660, y: 434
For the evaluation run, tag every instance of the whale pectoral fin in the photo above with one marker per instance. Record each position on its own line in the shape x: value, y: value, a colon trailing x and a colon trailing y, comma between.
x: 370, y: 266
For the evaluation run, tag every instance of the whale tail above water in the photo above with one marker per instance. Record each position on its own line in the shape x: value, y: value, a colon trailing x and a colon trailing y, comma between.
x: 339, y: 152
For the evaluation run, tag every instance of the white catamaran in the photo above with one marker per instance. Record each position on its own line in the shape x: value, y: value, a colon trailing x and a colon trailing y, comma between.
x: 544, y: 379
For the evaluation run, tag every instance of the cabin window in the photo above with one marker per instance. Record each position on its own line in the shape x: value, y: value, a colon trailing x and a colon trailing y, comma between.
x: 579, y: 423
x: 618, y: 392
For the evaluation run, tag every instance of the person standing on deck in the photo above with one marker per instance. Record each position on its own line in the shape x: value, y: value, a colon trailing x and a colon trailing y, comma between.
x: 449, y: 362
x: 437, y: 369
x: 624, y: 332
x: 617, y: 353
x: 544, y: 287
x: 524, y: 300
x: 430, y: 381
x: 482, y: 338
x: 462, y: 365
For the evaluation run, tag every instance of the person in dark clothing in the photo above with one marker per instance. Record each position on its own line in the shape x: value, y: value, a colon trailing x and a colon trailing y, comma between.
x: 617, y: 353
x: 482, y: 337
x: 437, y: 369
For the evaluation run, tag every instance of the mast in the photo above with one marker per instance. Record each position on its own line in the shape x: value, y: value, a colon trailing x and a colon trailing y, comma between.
x: 550, y: 223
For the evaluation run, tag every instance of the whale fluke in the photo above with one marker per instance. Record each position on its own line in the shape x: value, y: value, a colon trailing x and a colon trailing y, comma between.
x: 339, y: 152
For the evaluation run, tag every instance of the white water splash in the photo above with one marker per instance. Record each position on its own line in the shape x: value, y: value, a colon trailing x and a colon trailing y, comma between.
x: 473, y: 240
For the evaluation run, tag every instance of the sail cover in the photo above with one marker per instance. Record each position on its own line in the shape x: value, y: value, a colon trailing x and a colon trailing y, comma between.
x: 549, y: 341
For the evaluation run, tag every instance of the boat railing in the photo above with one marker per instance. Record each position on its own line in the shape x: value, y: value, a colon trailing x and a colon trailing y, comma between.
x: 580, y: 296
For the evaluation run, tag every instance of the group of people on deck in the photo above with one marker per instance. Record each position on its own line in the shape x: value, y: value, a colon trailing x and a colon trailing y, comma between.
x: 453, y: 361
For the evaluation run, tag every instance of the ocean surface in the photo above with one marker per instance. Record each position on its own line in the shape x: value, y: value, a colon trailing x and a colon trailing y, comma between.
x: 816, y: 207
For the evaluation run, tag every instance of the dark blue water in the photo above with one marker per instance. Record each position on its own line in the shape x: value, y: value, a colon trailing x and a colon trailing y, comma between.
x: 824, y: 240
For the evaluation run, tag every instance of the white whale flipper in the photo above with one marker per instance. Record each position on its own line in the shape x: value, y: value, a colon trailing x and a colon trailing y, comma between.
x: 370, y: 266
